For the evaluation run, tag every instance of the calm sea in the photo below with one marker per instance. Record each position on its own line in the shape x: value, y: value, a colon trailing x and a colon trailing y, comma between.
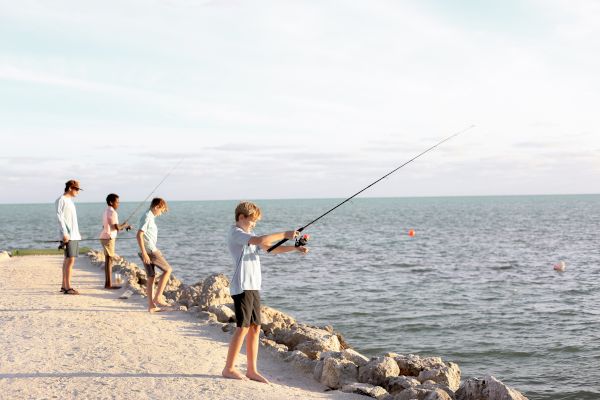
x: 475, y: 285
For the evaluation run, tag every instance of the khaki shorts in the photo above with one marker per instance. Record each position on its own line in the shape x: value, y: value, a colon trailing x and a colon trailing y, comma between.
x: 156, y: 260
x: 109, y: 247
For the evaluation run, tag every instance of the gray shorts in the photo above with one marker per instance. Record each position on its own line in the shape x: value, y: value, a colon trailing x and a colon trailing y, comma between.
x: 156, y: 260
x: 72, y: 249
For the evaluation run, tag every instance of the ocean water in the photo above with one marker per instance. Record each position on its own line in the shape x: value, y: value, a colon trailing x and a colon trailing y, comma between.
x: 475, y: 285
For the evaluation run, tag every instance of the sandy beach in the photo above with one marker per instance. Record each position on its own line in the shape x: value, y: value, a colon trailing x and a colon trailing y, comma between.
x: 96, y: 346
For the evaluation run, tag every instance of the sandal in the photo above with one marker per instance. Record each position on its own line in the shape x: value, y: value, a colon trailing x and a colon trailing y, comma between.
x: 62, y: 289
x: 71, y: 291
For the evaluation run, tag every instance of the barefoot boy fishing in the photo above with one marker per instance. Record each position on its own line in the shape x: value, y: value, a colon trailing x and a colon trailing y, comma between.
x: 147, y: 236
x: 245, y: 285
x: 108, y: 236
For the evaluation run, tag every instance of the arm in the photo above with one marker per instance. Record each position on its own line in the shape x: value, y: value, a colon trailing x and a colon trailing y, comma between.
x: 287, y: 249
x: 60, y: 214
x: 265, y: 241
x: 140, y: 240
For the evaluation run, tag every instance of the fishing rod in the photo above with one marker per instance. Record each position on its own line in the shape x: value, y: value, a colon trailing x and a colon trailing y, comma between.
x: 282, y: 241
x: 152, y: 192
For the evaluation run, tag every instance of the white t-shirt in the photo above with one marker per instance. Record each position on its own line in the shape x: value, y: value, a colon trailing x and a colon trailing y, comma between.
x: 246, y: 275
x: 67, y: 218
x: 109, y: 219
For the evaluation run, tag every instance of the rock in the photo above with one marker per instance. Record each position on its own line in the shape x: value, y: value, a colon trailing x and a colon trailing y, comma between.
x: 311, y: 341
x: 337, y: 373
x: 223, y: 312
x: 412, y: 394
x: 215, y: 291
x: 487, y: 388
x: 300, y: 361
x: 438, y: 394
x: 318, y: 371
x: 190, y: 295
x: 433, y: 386
x: 367, y: 390
x: 396, y: 384
x: 412, y: 365
x: 378, y: 370
x: 447, y: 375
x: 4, y: 255
x: 228, y: 327
x: 280, y: 348
x: 355, y: 357
x: 272, y: 319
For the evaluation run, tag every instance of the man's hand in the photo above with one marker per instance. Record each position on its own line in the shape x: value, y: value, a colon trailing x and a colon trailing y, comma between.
x: 66, y: 239
x: 302, y: 249
x: 145, y: 258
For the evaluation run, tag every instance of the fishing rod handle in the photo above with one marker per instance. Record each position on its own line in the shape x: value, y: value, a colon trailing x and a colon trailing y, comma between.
x: 282, y: 241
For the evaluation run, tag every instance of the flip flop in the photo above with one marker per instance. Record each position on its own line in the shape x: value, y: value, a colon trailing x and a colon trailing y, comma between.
x: 71, y: 291
x: 62, y: 289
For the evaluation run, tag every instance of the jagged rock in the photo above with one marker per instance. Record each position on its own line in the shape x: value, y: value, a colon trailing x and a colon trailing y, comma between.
x: 412, y: 394
x: 311, y: 341
x: 190, y: 295
x: 433, y: 386
x: 337, y: 373
x: 412, y: 365
x: 447, y: 375
x: 396, y: 384
x: 300, y: 361
x: 228, y: 327
x: 272, y: 319
x: 355, y: 357
x: 223, y: 312
x: 318, y: 371
x: 378, y: 370
x: 367, y: 390
x: 280, y: 348
x: 487, y: 388
x: 215, y: 291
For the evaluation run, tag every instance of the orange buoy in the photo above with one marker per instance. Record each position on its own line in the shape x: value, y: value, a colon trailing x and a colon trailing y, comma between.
x: 411, y: 232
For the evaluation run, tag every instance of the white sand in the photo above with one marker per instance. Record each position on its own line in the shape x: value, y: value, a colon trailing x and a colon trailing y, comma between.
x: 96, y: 346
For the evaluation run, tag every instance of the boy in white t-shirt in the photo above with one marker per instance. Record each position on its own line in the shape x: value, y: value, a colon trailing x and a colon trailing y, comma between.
x: 246, y: 283
x: 108, y: 236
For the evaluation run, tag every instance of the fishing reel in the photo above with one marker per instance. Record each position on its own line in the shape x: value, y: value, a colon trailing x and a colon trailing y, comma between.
x: 302, y: 240
x: 62, y: 245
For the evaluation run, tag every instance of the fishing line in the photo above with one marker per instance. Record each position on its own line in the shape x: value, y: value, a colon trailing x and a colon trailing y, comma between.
x: 282, y: 241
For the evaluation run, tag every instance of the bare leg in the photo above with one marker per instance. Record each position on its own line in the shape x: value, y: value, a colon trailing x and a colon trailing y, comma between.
x: 234, y: 348
x: 68, y: 271
x: 149, y: 288
x: 162, y: 283
x: 252, y: 354
x: 107, y: 271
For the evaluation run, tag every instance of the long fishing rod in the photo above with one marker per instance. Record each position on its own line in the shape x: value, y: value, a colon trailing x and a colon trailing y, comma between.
x: 282, y: 241
x: 153, y: 190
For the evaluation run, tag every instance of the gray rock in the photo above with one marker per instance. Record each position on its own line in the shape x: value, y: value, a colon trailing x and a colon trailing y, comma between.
x: 487, y: 388
x: 365, y: 389
x: 438, y: 394
x: 318, y: 371
x: 300, y: 361
x: 337, y: 373
x: 272, y: 319
x: 190, y: 295
x: 448, y: 375
x: 412, y: 394
x: 378, y: 370
x: 433, y: 386
x: 412, y: 365
x: 311, y: 341
x: 215, y: 291
x: 396, y: 384
x: 355, y: 357
x: 280, y: 348
x: 223, y: 312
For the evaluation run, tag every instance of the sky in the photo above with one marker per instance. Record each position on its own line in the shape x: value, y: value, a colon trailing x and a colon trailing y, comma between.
x: 297, y: 99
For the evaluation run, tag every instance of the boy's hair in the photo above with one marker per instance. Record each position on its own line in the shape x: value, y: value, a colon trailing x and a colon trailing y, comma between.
x: 111, y: 198
x: 69, y: 184
x: 247, y: 209
x: 158, y: 202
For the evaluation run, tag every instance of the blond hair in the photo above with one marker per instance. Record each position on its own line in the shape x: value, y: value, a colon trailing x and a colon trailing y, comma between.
x: 247, y: 209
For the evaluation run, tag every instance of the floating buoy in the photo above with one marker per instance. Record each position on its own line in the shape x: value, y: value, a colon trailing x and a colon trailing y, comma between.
x: 411, y: 232
x: 560, y: 267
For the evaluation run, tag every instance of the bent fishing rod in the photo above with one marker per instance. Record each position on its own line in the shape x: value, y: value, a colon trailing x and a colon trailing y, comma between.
x: 282, y: 241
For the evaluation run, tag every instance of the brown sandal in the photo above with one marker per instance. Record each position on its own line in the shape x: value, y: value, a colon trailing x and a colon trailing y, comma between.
x: 71, y: 291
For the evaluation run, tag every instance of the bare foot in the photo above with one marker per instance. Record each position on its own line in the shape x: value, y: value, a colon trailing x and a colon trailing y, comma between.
x: 161, y: 303
x: 154, y: 309
x: 233, y: 374
x: 112, y: 287
x: 257, y: 377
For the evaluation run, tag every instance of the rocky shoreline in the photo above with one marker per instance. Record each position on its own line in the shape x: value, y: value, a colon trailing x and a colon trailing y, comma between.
x: 321, y: 351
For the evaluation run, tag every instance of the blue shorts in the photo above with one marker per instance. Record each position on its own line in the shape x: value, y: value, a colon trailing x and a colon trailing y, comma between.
x: 72, y: 249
